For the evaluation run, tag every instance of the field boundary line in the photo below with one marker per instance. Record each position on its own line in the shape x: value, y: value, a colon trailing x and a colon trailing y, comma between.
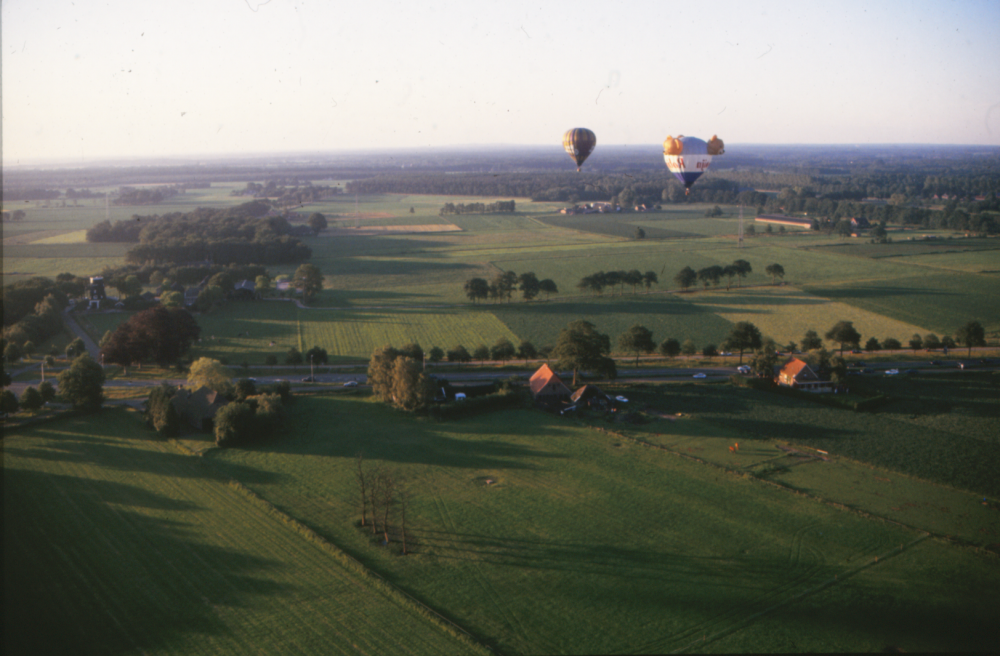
x: 802, y: 595
x: 352, y: 564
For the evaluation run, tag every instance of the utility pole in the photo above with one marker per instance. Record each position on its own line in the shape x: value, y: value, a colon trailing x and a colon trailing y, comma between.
x: 740, y: 243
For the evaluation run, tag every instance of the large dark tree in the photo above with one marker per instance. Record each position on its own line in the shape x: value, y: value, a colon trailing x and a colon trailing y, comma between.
x: 477, y: 289
x: 844, y: 333
x: 637, y: 339
x: 82, y: 384
x: 308, y: 280
x: 580, y: 346
x: 157, y: 335
x: 971, y: 334
x: 317, y: 222
x: 503, y: 350
x: 529, y: 285
x: 811, y: 341
x: 744, y: 336
x: 775, y: 271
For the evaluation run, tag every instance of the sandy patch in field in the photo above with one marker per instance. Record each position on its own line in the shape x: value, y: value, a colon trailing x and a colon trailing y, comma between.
x: 35, y: 238
x: 363, y: 215
x: 392, y: 229
x: 75, y: 237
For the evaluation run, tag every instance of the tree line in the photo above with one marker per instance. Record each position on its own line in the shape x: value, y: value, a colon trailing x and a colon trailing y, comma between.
x: 497, y: 207
x: 132, y: 196
x: 597, y: 282
x: 503, y: 285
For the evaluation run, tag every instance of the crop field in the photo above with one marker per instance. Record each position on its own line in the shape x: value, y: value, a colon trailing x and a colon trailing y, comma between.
x: 981, y: 261
x: 586, y: 541
x: 665, y: 315
x: 115, y: 543
x: 941, y: 301
x: 938, y: 428
x: 786, y: 313
x: 246, y: 329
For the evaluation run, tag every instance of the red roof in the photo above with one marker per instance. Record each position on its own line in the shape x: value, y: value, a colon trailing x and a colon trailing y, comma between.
x: 545, y: 381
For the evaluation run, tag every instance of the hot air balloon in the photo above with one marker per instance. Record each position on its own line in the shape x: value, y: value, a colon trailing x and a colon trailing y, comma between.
x: 579, y: 143
x: 689, y: 157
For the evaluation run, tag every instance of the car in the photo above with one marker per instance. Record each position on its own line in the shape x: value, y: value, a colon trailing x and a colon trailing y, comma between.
x: 699, y: 376
x: 743, y: 369
x: 621, y: 399
x: 351, y: 383
x: 726, y: 353
x: 308, y: 379
x: 891, y: 372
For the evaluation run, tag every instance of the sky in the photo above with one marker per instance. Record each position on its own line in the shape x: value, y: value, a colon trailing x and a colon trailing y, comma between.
x: 90, y: 79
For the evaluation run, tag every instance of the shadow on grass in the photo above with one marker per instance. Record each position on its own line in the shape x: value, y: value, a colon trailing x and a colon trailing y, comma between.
x: 91, y: 576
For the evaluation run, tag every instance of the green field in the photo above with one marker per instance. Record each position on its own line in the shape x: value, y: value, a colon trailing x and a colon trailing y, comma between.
x: 587, y: 540
x: 891, y: 290
x: 115, y: 543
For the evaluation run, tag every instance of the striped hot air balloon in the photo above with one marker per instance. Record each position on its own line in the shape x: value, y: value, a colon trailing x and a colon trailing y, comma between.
x: 689, y: 157
x: 579, y: 143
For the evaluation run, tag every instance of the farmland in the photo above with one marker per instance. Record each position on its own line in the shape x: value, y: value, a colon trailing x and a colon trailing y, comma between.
x: 584, y: 541
x: 651, y: 537
x: 891, y: 290
x: 115, y: 543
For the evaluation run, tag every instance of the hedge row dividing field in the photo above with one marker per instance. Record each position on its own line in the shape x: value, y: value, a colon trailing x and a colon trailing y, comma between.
x: 117, y: 544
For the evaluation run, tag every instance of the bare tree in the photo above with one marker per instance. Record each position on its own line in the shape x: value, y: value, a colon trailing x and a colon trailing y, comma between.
x: 362, y: 487
x: 374, y: 495
x: 403, y: 495
x: 387, y: 493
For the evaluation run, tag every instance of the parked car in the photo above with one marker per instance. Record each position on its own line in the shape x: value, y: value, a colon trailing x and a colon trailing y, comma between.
x: 743, y: 369
x: 621, y: 399
x: 699, y: 376
x: 308, y: 379
x: 891, y: 372
x: 351, y: 383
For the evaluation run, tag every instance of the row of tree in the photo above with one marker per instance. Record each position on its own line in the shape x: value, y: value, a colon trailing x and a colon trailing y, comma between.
x: 597, y: 282
x: 500, y: 206
x: 503, y: 285
x: 132, y: 196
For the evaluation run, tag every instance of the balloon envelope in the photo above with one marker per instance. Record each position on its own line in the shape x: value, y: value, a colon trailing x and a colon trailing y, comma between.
x: 687, y: 158
x: 579, y: 143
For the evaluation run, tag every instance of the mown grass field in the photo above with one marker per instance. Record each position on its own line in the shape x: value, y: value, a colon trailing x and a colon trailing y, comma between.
x: 114, y: 543
x: 589, y: 542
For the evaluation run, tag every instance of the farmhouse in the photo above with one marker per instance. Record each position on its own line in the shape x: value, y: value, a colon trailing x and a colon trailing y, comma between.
x: 245, y: 290
x: 198, y: 408
x: 591, y: 396
x: 546, y: 385
x: 781, y: 219
x: 799, y: 375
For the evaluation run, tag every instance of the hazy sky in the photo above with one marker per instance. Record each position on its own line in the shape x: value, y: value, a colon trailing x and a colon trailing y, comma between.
x: 87, y: 79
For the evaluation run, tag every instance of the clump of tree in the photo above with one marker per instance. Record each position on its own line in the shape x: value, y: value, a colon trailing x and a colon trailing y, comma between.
x: 157, y: 335
x: 498, y: 207
x: 82, y: 384
x: 160, y: 414
x: 398, y: 379
x: 243, y: 234
x: 971, y: 334
x: 132, y: 196
x: 581, y: 346
x: 309, y: 281
x: 384, y: 499
x: 503, y: 284
x: 252, y: 419
x: 597, y: 282
x: 637, y: 339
